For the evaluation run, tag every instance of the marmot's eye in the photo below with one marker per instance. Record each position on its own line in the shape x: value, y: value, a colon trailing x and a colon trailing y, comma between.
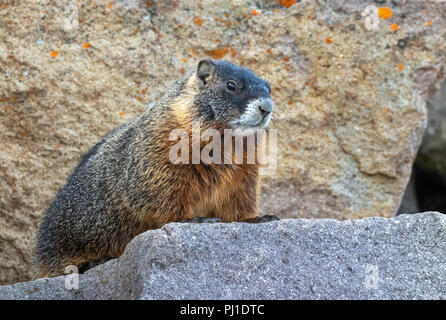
x: 231, y: 85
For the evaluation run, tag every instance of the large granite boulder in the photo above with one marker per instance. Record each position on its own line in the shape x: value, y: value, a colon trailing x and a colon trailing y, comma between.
x: 375, y: 258
x: 349, y: 89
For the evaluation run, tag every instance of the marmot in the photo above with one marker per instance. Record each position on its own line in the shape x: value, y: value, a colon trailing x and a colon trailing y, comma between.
x: 126, y: 185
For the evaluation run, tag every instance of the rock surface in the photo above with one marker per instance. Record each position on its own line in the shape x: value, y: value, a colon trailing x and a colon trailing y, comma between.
x: 432, y: 156
x: 350, y: 101
x: 375, y: 258
x: 409, y: 203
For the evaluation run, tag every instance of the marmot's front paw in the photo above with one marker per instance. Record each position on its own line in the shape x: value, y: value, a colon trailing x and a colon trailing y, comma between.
x: 201, y: 220
x: 259, y: 219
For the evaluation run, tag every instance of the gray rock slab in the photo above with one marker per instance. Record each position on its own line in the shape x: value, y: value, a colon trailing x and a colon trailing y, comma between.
x: 375, y: 258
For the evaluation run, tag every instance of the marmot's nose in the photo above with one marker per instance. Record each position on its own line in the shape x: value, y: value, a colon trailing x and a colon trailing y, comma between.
x: 266, y: 107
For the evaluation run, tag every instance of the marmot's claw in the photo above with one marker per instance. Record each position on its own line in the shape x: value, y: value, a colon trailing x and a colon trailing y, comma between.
x: 201, y: 220
x: 262, y: 219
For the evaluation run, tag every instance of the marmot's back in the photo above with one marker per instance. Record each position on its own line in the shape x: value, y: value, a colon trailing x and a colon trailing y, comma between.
x: 128, y: 183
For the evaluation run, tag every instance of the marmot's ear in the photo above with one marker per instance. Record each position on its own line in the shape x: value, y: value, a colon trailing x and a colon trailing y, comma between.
x: 204, y: 70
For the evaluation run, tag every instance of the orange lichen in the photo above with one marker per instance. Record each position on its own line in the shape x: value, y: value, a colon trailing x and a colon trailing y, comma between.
x: 182, y: 71
x: 268, y: 50
x: 110, y: 5
x: 394, y: 27
x: 217, y: 53
x: 328, y: 40
x: 86, y: 45
x: 290, y: 102
x: 149, y: 3
x: 143, y: 91
x: 286, y: 59
x: 254, y: 12
x: 287, y: 3
x: 244, y: 16
x: 385, y: 12
x: 198, y: 21
x: 58, y: 146
x: 313, y: 85
x: 429, y: 23
x: 184, y: 60
x: 54, y: 54
x: 7, y: 108
x: 139, y: 99
x: 121, y: 113
x: 227, y: 15
x: 308, y: 17
x: 400, y: 67
x: 228, y: 23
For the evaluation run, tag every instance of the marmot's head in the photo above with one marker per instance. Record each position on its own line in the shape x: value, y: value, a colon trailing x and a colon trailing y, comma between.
x: 232, y: 95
